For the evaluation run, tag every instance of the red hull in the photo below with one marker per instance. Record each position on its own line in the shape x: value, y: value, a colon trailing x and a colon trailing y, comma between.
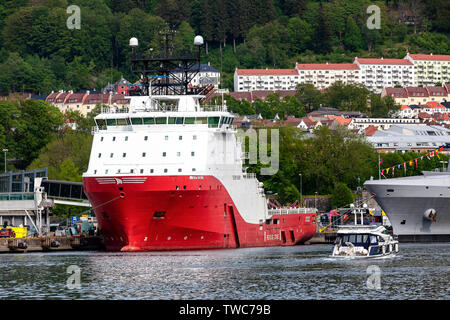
x: 149, y: 213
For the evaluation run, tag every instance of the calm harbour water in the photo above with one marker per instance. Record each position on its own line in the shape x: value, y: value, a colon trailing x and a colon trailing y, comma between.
x: 419, y: 271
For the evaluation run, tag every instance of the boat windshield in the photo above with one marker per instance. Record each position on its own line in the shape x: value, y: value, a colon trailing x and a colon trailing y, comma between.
x: 363, y: 240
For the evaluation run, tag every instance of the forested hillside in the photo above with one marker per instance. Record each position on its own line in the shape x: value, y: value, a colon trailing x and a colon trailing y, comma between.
x: 39, y: 53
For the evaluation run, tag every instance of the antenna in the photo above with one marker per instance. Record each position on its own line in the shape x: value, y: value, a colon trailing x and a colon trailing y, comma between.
x: 171, y: 73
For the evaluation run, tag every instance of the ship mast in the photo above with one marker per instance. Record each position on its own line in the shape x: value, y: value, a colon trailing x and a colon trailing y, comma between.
x: 160, y: 73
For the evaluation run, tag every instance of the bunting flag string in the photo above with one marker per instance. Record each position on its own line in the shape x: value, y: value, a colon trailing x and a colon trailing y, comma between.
x: 428, y: 155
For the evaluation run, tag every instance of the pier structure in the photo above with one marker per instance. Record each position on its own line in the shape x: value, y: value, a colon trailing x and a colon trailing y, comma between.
x: 27, y: 197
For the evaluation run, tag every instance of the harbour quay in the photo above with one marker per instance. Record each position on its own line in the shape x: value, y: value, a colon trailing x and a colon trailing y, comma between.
x: 49, y: 244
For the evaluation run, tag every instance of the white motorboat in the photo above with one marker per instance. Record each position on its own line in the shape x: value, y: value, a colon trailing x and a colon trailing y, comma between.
x: 363, y: 241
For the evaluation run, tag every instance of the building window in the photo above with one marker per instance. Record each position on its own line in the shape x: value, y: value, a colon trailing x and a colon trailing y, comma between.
x: 164, y: 154
x: 95, y: 171
x: 141, y: 171
x: 101, y: 139
x: 124, y: 155
x: 106, y: 171
x: 132, y: 171
x: 178, y: 154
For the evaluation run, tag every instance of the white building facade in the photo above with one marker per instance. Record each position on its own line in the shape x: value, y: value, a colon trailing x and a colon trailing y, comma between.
x: 265, y: 79
x: 323, y: 75
x: 377, y: 74
x: 430, y: 69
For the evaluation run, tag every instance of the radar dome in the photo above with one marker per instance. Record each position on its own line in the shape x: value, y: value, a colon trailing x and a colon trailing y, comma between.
x: 198, y: 40
x: 134, y: 42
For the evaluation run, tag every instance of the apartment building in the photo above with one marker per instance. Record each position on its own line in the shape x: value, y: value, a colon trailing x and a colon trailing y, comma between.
x: 85, y: 102
x: 418, y: 95
x: 265, y: 79
x: 430, y: 69
x: 379, y: 73
x: 323, y: 75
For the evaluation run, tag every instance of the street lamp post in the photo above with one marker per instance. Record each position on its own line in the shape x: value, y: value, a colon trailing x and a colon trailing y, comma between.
x: 5, y: 151
x: 315, y: 199
x: 300, y: 187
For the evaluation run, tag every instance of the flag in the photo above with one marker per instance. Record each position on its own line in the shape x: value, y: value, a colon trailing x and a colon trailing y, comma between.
x: 399, y: 166
x: 416, y: 162
x: 387, y: 170
x: 441, y: 149
x: 380, y: 161
x: 393, y: 168
x: 427, y: 156
x: 437, y: 155
x: 410, y: 163
x: 382, y: 172
x: 404, y: 166
x: 432, y: 154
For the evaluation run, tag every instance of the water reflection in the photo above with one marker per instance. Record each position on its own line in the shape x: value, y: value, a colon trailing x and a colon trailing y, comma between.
x: 420, y: 271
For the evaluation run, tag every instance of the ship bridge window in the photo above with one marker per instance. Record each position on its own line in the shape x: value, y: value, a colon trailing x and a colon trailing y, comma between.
x: 201, y: 120
x: 123, y: 122
x: 161, y: 120
x: 101, y: 124
x: 189, y: 120
x: 213, y: 122
x: 136, y: 121
x: 149, y: 120
x: 111, y: 122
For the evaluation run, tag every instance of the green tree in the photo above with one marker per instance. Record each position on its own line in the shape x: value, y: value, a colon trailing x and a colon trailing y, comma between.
x: 352, y: 39
x: 342, y: 196
x: 309, y: 96
x: 300, y: 34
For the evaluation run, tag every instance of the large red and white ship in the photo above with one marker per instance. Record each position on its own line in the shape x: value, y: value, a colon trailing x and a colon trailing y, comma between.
x: 167, y: 174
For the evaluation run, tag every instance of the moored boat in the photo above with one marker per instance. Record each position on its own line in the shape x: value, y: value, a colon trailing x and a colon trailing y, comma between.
x: 167, y: 174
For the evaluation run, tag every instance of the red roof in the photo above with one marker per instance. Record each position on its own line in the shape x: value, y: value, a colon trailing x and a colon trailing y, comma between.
x: 433, y: 91
x: 396, y: 92
x: 404, y: 107
x: 384, y: 61
x: 266, y: 72
x: 97, y: 98
x: 437, y: 57
x: 434, y: 105
x: 327, y: 66
x: 423, y: 115
x: 417, y: 91
x: 370, y: 130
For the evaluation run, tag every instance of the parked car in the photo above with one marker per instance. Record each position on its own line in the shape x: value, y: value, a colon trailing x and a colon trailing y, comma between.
x: 7, y: 233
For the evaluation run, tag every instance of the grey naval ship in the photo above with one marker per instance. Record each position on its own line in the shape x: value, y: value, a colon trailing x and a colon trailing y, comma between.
x: 418, y: 207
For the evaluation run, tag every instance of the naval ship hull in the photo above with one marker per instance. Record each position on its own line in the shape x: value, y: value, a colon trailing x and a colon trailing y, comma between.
x: 408, y: 203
